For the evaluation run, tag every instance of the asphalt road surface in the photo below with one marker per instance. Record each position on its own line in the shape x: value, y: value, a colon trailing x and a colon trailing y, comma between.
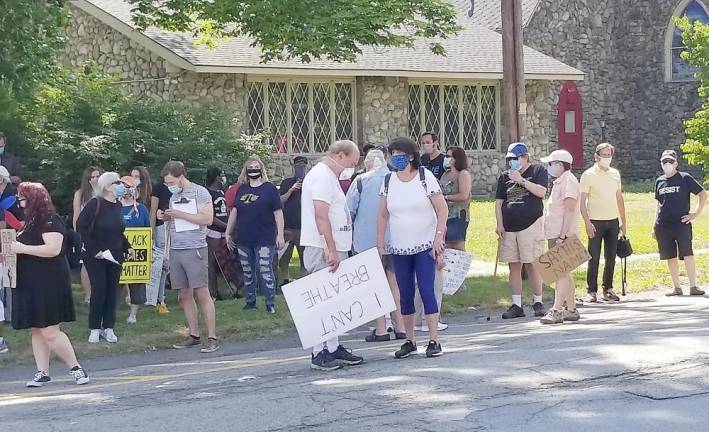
x: 634, y: 366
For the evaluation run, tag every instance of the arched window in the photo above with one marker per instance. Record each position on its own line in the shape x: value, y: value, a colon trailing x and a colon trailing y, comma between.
x: 676, y: 68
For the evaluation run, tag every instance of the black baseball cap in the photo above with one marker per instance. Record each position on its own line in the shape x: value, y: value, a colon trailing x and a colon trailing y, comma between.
x: 300, y: 159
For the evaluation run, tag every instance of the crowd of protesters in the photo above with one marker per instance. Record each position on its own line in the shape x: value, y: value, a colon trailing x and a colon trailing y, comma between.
x: 410, y: 201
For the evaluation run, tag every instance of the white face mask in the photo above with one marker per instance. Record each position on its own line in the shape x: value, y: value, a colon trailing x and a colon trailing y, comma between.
x: 604, y: 162
x: 347, y: 173
x: 137, y: 181
x: 668, y: 168
x: 447, y: 162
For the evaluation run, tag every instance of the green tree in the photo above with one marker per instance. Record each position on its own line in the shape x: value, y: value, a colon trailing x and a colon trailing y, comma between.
x: 30, y: 35
x: 305, y: 30
x: 82, y: 118
x: 696, y: 38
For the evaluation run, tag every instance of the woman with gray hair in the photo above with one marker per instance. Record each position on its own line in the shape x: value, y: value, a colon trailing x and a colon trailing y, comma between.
x: 101, y: 227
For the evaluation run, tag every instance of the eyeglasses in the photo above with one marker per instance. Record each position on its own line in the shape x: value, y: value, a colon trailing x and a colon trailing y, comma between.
x: 20, y: 199
x: 512, y: 158
x: 669, y: 161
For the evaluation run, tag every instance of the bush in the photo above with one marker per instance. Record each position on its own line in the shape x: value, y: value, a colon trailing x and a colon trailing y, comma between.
x: 80, y: 118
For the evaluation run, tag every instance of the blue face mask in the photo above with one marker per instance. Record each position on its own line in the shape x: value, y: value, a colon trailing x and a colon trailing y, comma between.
x: 119, y: 191
x: 400, y: 161
x: 515, y: 164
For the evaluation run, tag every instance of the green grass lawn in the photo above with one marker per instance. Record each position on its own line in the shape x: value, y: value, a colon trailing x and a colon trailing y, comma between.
x: 640, y: 210
x: 159, y: 332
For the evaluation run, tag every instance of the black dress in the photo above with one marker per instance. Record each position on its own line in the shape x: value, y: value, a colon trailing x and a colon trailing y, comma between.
x: 43, y: 294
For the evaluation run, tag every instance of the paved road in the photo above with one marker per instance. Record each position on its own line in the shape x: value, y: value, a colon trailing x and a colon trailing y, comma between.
x: 635, y: 366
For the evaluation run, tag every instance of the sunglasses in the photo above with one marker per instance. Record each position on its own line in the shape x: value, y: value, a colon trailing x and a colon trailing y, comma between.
x: 669, y: 161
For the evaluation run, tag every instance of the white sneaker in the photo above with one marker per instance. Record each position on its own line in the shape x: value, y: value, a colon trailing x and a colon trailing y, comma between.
x: 110, y: 336
x: 131, y: 319
x: 442, y: 326
x: 422, y: 327
x: 95, y: 336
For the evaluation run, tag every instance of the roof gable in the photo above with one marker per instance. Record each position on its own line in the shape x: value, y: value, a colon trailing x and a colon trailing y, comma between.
x: 476, y: 52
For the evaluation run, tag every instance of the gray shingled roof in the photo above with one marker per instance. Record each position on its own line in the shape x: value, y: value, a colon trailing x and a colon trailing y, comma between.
x: 476, y: 52
x: 487, y: 12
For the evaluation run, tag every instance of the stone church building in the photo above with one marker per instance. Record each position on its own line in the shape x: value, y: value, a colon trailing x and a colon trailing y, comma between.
x: 593, y: 68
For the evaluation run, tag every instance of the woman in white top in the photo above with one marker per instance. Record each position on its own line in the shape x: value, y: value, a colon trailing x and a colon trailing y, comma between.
x: 413, y: 207
x: 86, y: 191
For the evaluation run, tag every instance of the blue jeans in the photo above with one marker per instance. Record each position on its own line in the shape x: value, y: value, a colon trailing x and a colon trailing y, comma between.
x: 259, y: 258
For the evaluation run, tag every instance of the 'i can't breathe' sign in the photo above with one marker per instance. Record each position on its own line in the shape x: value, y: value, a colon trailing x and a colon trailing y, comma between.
x: 325, y: 305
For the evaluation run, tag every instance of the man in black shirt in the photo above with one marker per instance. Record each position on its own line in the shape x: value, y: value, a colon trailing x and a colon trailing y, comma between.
x: 519, y: 208
x: 290, y: 198
x: 432, y: 157
x: 220, y: 260
x: 673, y: 220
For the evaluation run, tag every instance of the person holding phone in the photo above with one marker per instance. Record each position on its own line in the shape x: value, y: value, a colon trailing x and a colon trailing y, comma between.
x: 290, y: 191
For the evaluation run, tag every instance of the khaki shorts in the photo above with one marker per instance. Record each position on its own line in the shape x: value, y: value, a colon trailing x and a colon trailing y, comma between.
x: 189, y: 268
x: 524, y: 246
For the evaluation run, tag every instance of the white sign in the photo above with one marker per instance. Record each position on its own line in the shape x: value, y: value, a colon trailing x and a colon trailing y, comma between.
x: 152, y: 287
x: 325, y: 305
x: 456, y: 270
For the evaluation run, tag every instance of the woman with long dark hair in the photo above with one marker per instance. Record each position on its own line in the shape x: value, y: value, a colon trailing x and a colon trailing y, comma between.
x: 42, y: 299
x: 86, y: 191
x: 142, y: 183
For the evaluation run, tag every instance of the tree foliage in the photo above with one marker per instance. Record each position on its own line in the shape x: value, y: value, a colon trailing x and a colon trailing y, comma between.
x: 81, y: 118
x: 305, y: 30
x: 30, y: 36
x: 696, y: 38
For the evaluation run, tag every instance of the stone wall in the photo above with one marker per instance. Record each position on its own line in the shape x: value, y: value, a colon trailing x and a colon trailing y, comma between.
x: 145, y: 75
x: 619, y: 44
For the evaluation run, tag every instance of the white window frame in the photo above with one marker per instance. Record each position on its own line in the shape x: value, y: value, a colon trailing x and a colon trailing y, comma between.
x: 669, y: 36
x: 441, y: 115
x: 310, y: 81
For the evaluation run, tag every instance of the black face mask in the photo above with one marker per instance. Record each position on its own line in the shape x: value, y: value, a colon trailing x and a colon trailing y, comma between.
x: 253, y: 173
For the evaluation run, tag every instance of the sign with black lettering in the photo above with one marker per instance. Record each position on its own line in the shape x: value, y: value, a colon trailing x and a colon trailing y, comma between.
x: 325, y: 305
x: 137, y: 266
x: 8, y: 261
x: 561, y: 259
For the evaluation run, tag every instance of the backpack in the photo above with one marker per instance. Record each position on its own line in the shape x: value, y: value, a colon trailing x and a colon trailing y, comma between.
x: 422, y: 177
x: 72, y: 245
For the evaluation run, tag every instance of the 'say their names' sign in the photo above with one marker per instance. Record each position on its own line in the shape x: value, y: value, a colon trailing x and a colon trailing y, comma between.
x: 325, y: 305
x: 561, y: 259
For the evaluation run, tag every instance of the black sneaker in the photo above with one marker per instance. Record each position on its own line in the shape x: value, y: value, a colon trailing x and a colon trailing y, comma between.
x: 324, y: 361
x: 538, y: 309
x: 250, y: 306
x: 271, y: 309
x: 80, y: 376
x: 514, y: 312
x: 406, y: 350
x: 346, y: 357
x: 40, y: 378
x: 433, y: 349
x: 374, y: 337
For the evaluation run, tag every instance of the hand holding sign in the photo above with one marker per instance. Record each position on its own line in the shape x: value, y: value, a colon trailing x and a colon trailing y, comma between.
x: 561, y: 259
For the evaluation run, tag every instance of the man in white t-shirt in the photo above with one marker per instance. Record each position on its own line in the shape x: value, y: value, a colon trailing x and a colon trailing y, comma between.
x: 326, y: 234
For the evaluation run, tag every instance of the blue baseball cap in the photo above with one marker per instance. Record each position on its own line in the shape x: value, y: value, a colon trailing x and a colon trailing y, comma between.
x: 516, y: 150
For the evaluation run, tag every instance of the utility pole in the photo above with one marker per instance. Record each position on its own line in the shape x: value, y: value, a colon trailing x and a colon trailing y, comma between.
x: 513, y: 90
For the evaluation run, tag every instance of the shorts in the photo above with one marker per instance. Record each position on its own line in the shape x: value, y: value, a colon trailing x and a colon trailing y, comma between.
x: 189, y: 268
x: 137, y: 294
x: 674, y: 241
x: 314, y: 258
x: 457, y: 228
x: 524, y: 246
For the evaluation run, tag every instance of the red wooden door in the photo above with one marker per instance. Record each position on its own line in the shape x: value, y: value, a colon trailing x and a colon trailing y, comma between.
x: 570, y: 121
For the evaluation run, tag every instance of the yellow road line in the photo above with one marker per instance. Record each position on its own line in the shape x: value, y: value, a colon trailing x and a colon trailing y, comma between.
x: 141, y: 379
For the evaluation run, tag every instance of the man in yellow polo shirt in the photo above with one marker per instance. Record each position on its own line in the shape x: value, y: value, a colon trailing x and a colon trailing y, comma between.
x: 601, y: 207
